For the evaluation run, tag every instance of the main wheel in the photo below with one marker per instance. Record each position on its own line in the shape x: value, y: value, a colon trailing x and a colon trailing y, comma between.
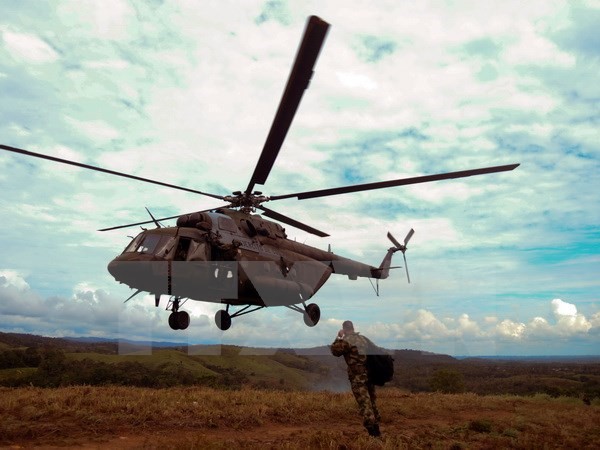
x: 183, y: 320
x: 173, y: 322
x: 223, y: 320
x: 312, y: 314
x: 179, y: 320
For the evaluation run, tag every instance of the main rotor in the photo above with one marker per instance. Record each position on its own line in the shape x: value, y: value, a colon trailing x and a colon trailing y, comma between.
x: 249, y: 200
x: 246, y: 203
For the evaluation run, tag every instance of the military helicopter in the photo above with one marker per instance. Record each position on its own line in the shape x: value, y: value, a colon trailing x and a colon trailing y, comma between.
x: 233, y: 256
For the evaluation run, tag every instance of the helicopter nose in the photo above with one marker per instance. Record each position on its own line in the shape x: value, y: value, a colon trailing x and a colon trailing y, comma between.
x: 115, y: 268
x: 141, y: 274
x: 124, y: 272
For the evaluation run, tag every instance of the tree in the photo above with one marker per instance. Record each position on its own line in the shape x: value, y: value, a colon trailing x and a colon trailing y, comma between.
x: 447, y: 381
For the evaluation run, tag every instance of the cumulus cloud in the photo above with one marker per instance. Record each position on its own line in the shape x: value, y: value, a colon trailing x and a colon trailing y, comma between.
x: 563, y: 309
x: 510, y: 329
x: 568, y: 320
x: 91, y: 311
x: 14, y: 279
x: 424, y: 329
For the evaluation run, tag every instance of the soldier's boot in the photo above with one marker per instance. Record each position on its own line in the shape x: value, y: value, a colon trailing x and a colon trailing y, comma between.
x: 373, y: 430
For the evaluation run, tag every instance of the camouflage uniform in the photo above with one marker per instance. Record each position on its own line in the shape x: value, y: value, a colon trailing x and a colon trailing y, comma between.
x: 354, y: 348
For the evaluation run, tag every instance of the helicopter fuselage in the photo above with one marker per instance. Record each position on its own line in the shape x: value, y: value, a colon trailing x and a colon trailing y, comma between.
x: 227, y: 256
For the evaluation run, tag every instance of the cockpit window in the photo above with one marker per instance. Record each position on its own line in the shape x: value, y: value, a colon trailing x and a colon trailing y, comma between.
x: 134, y: 243
x: 151, y: 243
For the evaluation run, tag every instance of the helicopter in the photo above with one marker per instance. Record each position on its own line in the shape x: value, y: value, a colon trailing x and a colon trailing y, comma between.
x: 234, y: 256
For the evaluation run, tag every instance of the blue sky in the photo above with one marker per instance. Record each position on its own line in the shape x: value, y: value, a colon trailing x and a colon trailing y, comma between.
x: 185, y: 92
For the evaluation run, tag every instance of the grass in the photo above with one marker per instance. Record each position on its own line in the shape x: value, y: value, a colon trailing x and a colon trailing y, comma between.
x: 197, y: 417
x: 289, y: 371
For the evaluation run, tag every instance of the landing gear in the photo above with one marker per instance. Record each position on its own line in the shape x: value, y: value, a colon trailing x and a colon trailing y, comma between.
x: 312, y: 314
x: 223, y: 319
x: 178, y: 320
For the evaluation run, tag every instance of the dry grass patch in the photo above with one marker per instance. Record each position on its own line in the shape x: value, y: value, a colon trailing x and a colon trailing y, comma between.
x: 201, y: 418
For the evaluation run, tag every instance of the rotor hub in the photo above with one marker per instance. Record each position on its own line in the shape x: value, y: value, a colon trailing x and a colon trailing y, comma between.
x: 247, y: 202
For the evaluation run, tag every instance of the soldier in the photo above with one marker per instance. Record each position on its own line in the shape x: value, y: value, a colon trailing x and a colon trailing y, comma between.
x: 354, y: 348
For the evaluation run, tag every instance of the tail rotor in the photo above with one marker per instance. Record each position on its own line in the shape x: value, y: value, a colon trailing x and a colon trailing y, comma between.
x: 402, y: 247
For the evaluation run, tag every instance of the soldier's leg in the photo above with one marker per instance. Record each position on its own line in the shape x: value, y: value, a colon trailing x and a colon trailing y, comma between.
x: 361, y: 394
x: 373, y: 398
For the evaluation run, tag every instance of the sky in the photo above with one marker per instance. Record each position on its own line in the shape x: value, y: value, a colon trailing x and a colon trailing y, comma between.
x: 185, y: 92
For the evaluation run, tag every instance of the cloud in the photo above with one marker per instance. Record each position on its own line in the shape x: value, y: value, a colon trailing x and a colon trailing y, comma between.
x: 29, y: 47
x: 423, y: 329
x: 568, y: 320
x: 90, y: 311
x: 510, y: 329
x: 563, y: 309
x: 13, y: 279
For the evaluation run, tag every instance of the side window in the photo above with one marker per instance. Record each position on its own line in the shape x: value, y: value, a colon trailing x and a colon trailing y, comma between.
x: 198, y: 251
x: 183, y: 247
x: 226, y: 224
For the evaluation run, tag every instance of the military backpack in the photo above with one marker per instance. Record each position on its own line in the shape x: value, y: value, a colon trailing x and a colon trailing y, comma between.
x: 380, y: 364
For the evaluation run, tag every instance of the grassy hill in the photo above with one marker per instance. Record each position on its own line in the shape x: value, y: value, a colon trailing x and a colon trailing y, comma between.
x: 51, y: 362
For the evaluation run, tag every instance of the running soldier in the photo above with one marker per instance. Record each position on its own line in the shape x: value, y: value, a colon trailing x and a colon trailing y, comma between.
x: 354, y: 348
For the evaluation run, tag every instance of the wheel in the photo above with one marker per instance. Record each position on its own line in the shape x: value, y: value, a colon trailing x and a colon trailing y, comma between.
x: 312, y: 315
x: 173, y: 322
x: 223, y: 320
x: 183, y: 320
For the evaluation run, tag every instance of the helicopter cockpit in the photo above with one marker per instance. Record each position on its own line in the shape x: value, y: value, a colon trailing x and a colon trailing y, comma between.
x: 167, y: 244
x: 151, y: 243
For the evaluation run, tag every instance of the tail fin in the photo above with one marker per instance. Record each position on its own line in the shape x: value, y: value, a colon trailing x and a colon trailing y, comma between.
x: 384, y: 268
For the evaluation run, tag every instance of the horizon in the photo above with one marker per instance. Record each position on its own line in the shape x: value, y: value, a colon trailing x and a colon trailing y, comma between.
x: 145, y: 348
x: 505, y: 263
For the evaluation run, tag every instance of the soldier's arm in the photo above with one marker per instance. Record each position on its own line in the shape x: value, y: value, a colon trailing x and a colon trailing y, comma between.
x: 339, y: 347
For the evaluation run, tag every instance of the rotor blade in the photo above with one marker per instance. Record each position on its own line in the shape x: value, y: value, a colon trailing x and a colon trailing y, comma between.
x: 392, y: 183
x: 280, y: 217
x: 138, y: 223
x: 151, y: 221
x: 100, y: 169
x: 302, y: 70
x: 408, y: 236
x: 394, y: 241
x: 406, y: 267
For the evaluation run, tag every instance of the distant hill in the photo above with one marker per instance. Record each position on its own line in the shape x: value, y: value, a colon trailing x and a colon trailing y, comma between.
x: 421, y: 357
x: 44, y: 361
x: 311, y: 368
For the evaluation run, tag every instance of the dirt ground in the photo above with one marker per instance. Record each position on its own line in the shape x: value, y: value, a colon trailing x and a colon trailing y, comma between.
x: 443, y: 433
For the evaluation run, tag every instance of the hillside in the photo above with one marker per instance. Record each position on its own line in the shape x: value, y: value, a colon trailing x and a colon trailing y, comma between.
x: 56, y: 362
x: 49, y: 362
